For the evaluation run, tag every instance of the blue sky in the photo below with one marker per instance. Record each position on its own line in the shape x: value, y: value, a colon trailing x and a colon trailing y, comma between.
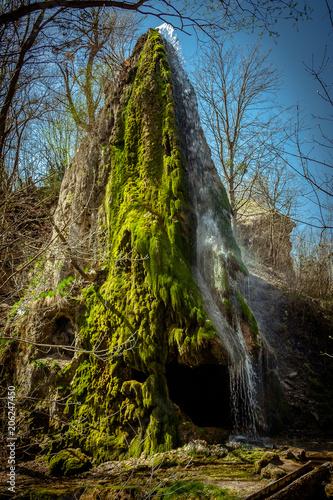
x: 295, y: 47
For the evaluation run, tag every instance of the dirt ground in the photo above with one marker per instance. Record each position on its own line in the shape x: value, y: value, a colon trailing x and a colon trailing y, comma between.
x: 236, y: 471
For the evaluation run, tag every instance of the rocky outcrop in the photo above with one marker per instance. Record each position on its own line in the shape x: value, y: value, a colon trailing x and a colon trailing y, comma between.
x: 136, y: 328
x: 266, y: 234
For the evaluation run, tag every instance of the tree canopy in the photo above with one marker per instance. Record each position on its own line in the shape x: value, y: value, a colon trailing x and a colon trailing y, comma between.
x: 202, y: 14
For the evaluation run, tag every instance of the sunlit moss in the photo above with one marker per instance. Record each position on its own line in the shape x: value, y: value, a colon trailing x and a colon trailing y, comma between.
x: 149, y: 305
x: 248, y: 315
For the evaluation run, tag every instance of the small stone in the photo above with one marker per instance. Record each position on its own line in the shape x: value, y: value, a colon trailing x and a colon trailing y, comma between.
x: 288, y: 454
x: 219, y: 451
x: 329, y: 490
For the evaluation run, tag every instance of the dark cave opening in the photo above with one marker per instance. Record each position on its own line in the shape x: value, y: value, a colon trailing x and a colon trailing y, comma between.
x: 138, y: 375
x: 64, y: 336
x: 202, y: 393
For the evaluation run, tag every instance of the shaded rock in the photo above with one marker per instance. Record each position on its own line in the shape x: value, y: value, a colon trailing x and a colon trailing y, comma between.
x: 125, y: 493
x: 329, y: 489
x: 288, y: 454
x: 219, y: 451
x: 255, y: 231
x: 294, y: 454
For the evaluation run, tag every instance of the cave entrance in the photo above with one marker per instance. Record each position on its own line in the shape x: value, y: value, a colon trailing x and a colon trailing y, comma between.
x: 64, y: 336
x: 202, y: 393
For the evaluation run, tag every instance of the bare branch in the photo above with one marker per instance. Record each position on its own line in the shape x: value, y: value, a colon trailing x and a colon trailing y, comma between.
x: 26, y: 9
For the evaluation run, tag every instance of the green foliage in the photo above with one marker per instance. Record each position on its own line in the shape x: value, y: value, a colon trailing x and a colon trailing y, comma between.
x: 16, y: 307
x: 241, y: 168
x: 61, y: 289
x: 40, y: 363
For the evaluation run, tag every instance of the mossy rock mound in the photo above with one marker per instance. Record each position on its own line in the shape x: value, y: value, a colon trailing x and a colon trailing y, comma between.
x: 266, y: 459
x: 69, y: 462
x: 272, y: 471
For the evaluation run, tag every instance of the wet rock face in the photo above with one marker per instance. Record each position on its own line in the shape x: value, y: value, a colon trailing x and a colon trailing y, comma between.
x: 145, y: 215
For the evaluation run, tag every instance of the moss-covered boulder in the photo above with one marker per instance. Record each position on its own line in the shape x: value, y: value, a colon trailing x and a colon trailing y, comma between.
x: 69, y: 462
x: 267, y: 458
x: 272, y: 471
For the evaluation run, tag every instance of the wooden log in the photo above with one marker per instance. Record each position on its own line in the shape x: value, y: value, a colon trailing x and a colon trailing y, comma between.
x: 280, y: 483
x: 310, y: 486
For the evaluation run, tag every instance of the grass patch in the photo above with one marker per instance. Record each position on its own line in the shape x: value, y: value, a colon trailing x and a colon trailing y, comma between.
x: 195, y: 489
x: 245, y: 456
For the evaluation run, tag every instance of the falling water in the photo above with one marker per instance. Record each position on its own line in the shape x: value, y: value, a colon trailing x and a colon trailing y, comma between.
x: 212, y: 252
x: 210, y: 264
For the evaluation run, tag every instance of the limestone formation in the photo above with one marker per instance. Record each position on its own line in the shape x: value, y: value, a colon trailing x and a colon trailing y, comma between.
x: 137, y: 334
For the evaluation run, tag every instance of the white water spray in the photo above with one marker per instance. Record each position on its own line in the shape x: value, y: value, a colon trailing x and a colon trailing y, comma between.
x: 168, y: 32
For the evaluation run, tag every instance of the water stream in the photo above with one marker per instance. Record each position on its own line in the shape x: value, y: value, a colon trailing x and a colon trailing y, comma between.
x: 211, y: 253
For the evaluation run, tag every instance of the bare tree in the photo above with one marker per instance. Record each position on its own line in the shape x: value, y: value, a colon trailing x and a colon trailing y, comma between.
x: 85, y: 47
x: 236, y: 90
x: 201, y: 14
x: 41, y: 129
x: 16, y: 80
x: 89, y: 57
x: 313, y: 263
x: 315, y: 153
x: 55, y: 144
x: 311, y: 158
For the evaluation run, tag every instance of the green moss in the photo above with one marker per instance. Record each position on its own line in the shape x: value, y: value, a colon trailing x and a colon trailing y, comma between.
x: 68, y: 462
x: 43, y: 494
x: 247, y: 314
x: 149, y: 306
x: 222, y: 207
x: 149, y: 309
x: 195, y: 489
x: 246, y: 456
x: 272, y: 472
